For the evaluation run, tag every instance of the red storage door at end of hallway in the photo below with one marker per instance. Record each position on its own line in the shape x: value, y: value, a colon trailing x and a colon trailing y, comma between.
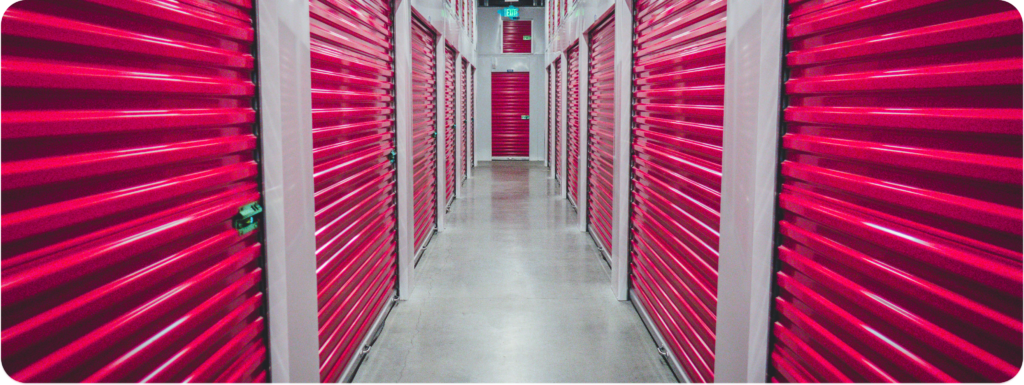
x: 516, y: 36
x: 449, y: 124
x: 353, y: 175
x: 463, y: 158
x: 900, y: 206
x: 572, y: 134
x: 559, y: 107
x: 510, y: 114
x: 601, y: 136
x: 679, y: 76
x: 424, y: 130
x: 128, y: 162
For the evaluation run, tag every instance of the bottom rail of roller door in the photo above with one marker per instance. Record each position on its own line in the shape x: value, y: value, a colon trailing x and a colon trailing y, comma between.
x: 448, y: 206
x: 423, y: 249
x: 600, y: 246
x: 371, y: 337
x: 510, y: 158
x: 572, y: 203
x: 670, y: 358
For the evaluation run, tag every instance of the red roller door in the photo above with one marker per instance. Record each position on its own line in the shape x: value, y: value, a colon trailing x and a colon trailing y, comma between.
x: 601, y: 138
x: 510, y: 114
x: 516, y: 36
x: 128, y: 162
x: 559, y: 107
x: 900, y: 208
x: 573, y: 128
x: 449, y: 124
x: 353, y: 172
x: 677, y: 174
x: 424, y: 130
x: 463, y: 157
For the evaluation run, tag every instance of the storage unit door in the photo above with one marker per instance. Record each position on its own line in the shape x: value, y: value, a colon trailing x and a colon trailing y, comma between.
x: 515, y: 36
x: 424, y: 130
x: 675, y: 195
x: 510, y: 109
x: 900, y: 208
x: 572, y: 142
x: 353, y: 172
x: 601, y: 136
x: 559, y: 107
x: 129, y: 183
x: 449, y: 124
x: 463, y: 158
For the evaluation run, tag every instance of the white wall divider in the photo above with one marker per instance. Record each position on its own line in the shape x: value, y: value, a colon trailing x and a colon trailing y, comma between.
x: 563, y: 148
x: 287, y: 161
x: 753, y: 75
x: 442, y: 198
x: 623, y: 104
x: 459, y: 124
x: 582, y: 186
x: 403, y: 120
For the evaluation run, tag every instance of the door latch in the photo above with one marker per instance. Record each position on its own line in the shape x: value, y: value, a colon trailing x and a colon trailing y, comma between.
x: 393, y: 156
x: 245, y: 221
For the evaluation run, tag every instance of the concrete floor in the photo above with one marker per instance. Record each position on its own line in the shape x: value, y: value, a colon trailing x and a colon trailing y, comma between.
x: 511, y: 291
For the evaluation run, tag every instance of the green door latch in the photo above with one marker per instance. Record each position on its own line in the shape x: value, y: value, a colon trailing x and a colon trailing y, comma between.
x: 245, y: 222
x: 527, y: 37
x: 524, y: 117
x: 392, y: 156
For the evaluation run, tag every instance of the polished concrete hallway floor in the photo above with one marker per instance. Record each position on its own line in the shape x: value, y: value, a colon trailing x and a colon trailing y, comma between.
x: 511, y: 291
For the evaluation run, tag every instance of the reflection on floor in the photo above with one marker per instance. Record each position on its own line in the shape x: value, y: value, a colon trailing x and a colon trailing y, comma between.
x: 513, y: 292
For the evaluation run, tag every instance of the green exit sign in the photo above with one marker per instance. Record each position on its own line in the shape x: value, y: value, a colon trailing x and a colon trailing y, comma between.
x: 510, y: 12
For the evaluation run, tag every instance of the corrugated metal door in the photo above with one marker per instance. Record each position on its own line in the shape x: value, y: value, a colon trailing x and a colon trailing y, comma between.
x: 424, y: 130
x: 900, y: 208
x: 128, y: 155
x: 510, y: 109
x: 464, y: 158
x: 679, y: 76
x: 516, y: 36
x: 449, y: 124
x: 353, y: 172
x: 572, y: 132
x: 601, y: 135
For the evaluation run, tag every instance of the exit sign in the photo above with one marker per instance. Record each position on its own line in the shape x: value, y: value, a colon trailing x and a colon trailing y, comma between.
x: 510, y: 12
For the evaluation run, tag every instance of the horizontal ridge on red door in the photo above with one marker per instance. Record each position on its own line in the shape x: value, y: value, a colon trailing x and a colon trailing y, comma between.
x: 510, y: 114
x: 131, y: 193
x: 900, y: 206
x: 353, y: 172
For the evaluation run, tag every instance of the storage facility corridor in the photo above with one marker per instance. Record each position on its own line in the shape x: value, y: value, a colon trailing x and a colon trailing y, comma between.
x: 301, y: 191
x: 512, y: 291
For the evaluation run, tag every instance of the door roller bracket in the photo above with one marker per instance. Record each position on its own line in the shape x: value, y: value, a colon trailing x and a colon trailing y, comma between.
x: 245, y: 221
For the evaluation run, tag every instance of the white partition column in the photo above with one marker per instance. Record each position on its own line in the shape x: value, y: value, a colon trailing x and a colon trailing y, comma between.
x: 404, y: 148
x: 286, y: 137
x: 753, y: 77
x: 582, y: 186
x: 439, y: 128
x: 621, y: 165
x: 458, y: 125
